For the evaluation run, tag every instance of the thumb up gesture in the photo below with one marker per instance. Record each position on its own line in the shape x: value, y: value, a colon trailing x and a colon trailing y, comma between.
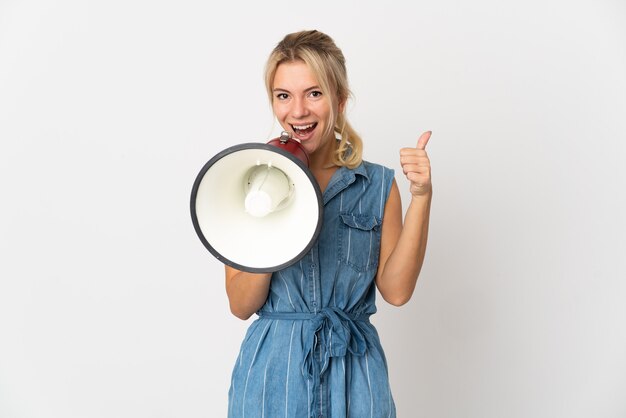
x: 416, y: 166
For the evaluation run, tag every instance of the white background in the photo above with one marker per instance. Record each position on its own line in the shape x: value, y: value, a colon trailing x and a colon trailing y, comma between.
x: 111, y: 307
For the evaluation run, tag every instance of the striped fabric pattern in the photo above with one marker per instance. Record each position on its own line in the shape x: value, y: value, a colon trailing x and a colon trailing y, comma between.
x: 313, y: 352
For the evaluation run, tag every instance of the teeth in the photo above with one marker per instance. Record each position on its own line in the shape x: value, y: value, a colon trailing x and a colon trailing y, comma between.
x: 303, y: 126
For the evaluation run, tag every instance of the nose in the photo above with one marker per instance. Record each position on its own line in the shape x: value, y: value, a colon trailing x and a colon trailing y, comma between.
x: 299, y: 109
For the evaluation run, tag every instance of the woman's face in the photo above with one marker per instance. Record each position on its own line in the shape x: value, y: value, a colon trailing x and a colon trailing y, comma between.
x: 301, y: 107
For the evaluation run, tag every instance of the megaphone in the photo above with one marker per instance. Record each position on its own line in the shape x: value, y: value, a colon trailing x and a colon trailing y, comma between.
x: 257, y: 207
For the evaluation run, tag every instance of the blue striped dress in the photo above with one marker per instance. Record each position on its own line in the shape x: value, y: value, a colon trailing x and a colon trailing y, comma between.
x: 313, y: 352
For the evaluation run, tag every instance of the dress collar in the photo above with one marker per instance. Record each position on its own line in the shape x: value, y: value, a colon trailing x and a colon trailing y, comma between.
x: 342, y: 178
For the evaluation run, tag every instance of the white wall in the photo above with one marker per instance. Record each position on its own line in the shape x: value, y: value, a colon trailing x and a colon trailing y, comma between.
x: 111, y: 307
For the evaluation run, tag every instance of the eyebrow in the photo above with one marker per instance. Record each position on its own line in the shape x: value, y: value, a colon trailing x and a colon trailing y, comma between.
x: 277, y: 89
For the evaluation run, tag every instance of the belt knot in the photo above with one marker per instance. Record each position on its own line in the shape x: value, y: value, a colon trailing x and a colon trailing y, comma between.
x: 331, y: 332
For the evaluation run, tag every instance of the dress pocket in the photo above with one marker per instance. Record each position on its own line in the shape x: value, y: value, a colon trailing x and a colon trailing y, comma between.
x: 359, y: 240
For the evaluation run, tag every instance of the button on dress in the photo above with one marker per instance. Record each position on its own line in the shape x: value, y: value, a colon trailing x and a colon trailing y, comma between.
x: 313, y: 352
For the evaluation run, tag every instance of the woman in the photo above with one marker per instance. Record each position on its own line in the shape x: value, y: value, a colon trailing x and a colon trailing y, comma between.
x: 313, y: 352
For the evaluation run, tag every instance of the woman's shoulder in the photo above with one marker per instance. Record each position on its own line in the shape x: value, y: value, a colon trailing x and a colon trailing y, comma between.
x: 372, y: 169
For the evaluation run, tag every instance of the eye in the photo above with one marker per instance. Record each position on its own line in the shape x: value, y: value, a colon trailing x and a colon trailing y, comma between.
x: 315, y: 94
x: 282, y: 96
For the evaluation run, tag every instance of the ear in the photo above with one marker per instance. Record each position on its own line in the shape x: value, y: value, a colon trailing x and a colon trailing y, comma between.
x: 342, y: 105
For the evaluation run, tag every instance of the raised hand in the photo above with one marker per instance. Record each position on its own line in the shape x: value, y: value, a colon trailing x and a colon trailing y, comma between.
x: 416, y: 166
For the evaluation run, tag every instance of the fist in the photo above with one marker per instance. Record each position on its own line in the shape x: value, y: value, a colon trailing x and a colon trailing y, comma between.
x: 416, y: 166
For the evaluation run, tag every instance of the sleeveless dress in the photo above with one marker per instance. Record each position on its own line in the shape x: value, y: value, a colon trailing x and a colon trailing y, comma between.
x: 313, y: 352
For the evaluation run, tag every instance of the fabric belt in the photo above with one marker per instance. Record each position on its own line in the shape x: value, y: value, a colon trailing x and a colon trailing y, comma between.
x: 334, y: 331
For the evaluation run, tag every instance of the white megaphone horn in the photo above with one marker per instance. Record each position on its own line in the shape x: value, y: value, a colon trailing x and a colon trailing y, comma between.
x: 257, y: 207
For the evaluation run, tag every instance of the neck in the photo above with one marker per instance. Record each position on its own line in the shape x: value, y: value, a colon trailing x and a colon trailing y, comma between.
x: 322, y: 158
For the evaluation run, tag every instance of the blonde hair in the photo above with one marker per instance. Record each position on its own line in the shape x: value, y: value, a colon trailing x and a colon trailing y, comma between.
x: 319, y: 52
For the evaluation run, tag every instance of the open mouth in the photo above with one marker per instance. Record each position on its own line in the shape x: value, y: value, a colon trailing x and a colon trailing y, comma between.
x: 302, y: 131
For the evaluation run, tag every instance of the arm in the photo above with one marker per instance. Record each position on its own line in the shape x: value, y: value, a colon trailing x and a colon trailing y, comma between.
x: 403, y: 248
x: 246, y: 292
